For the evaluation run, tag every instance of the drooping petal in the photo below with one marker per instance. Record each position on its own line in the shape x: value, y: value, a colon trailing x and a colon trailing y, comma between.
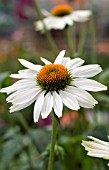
x: 38, y: 106
x: 72, y: 64
x: 30, y: 65
x: 47, y: 105
x: 97, y: 147
x: 45, y: 61
x: 68, y: 20
x: 98, y: 141
x: 69, y: 100
x: 17, y: 107
x: 54, y: 22
x: 87, y: 71
x: 6, y: 89
x: 99, y: 154
x: 89, y: 85
x: 84, y: 98
x: 24, y: 94
x: 59, y: 57
x: 21, y: 84
x: 92, y: 145
x: 57, y: 104
x: 81, y: 15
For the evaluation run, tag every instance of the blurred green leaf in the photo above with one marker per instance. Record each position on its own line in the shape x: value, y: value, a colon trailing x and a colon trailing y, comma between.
x: 10, y: 149
x: 40, y: 137
x: 3, y: 76
x: 104, y: 77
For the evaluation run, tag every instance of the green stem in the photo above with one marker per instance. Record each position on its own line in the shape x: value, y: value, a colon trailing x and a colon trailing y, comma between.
x: 23, y: 121
x: 69, y: 42
x: 82, y: 32
x: 82, y: 38
x: 53, y: 140
x: 93, y: 37
x: 48, y: 35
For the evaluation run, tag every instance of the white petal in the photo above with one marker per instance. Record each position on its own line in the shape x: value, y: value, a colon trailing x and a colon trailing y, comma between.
x: 59, y: 57
x: 47, y: 106
x: 53, y: 22
x: 45, y: 61
x: 69, y: 100
x: 68, y: 20
x: 39, y: 26
x: 6, y: 90
x: 45, y: 12
x: 18, y: 107
x: 99, y: 141
x: 95, y: 146
x: 25, y: 96
x: 24, y: 82
x: 87, y: 71
x: 38, y: 106
x: 84, y: 98
x: 23, y: 93
x: 89, y: 85
x: 19, y: 85
x: 27, y: 71
x: 57, y: 104
x: 30, y: 65
x: 81, y: 15
x: 98, y: 154
x: 22, y: 75
x: 72, y: 64
x: 65, y: 60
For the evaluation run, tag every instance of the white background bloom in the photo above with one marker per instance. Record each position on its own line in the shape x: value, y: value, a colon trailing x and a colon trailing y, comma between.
x: 50, y: 86
x: 97, y: 148
x: 61, y: 16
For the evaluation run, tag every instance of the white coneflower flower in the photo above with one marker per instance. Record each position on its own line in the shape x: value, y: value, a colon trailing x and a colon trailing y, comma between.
x: 97, y: 148
x: 52, y: 85
x: 61, y: 16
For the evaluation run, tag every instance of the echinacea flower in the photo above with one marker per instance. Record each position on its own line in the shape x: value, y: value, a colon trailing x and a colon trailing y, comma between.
x: 63, y: 82
x: 61, y: 16
x: 97, y: 148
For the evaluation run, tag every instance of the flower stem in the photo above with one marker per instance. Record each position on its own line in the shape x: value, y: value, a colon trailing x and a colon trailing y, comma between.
x: 93, y: 36
x: 82, y: 39
x: 82, y: 32
x: 69, y: 42
x: 23, y: 121
x: 48, y: 35
x: 53, y: 140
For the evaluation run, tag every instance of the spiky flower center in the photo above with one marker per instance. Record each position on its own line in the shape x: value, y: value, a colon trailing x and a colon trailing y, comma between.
x: 53, y: 77
x: 61, y: 10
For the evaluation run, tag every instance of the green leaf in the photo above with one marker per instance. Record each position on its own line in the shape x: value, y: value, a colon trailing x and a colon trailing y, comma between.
x: 104, y: 77
x: 40, y: 137
x: 10, y: 149
x: 3, y: 76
